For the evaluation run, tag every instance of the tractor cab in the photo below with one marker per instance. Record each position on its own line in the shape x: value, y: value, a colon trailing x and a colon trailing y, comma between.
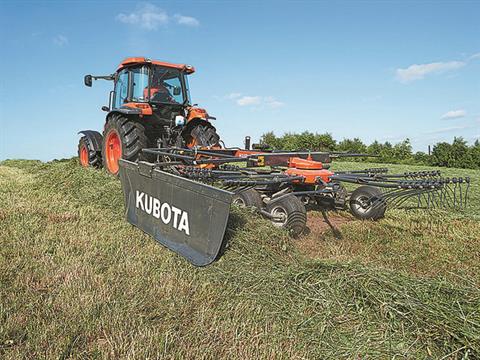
x: 148, y: 85
x: 149, y: 106
x: 151, y: 82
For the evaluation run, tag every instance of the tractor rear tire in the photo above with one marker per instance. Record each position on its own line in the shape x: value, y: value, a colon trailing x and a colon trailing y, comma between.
x: 292, y: 214
x: 367, y: 203
x: 87, y: 154
x: 202, y: 134
x: 248, y: 198
x: 123, y: 138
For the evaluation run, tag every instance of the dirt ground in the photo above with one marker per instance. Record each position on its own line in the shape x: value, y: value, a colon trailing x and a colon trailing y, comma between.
x: 313, y: 242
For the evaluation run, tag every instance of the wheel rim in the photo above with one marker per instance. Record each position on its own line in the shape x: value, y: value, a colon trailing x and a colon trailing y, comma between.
x: 239, y: 202
x: 280, y: 216
x: 83, y: 156
x: 362, y: 204
x: 113, y: 151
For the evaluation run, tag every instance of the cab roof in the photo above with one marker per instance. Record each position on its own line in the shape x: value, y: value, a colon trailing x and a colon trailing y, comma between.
x: 142, y: 60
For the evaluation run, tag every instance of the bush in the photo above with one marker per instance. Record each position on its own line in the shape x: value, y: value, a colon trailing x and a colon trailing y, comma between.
x: 296, y: 142
x: 356, y: 146
x: 457, y: 154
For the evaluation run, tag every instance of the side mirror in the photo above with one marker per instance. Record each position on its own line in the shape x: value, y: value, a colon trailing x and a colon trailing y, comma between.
x: 88, y: 80
x: 177, y: 91
x: 105, y: 108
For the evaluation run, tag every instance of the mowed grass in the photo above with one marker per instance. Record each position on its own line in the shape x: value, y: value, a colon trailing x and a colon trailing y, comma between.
x: 421, y: 242
x: 77, y: 281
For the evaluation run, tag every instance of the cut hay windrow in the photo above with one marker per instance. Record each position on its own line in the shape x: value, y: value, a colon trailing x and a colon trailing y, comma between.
x: 99, y: 287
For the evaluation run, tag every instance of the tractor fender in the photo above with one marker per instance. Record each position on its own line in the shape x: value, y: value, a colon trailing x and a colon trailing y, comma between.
x: 94, y: 138
x: 197, y: 113
x: 194, y: 122
x: 123, y: 111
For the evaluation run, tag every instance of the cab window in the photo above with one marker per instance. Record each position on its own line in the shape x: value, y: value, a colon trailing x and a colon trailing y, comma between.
x: 140, y: 84
x: 166, y: 86
x: 121, y: 88
x: 175, y: 89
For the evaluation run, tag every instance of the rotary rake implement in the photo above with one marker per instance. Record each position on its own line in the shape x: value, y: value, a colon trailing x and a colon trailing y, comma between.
x: 182, y: 196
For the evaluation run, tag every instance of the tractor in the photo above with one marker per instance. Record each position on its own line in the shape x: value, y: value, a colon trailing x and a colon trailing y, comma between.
x: 149, y: 107
x: 179, y: 182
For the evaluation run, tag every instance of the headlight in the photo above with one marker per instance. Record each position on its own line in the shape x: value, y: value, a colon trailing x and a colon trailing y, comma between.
x: 179, y: 120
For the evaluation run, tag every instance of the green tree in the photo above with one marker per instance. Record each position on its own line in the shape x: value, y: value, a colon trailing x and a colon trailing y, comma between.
x: 374, y: 148
x: 352, y: 146
x: 441, y: 154
x: 325, y: 142
x: 402, y: 150
x: 456, y: 154
x: 461, y: 155
x: 421, y: 158
x: 475, y: 154
x: 271, y: 140
x: 386, y: 152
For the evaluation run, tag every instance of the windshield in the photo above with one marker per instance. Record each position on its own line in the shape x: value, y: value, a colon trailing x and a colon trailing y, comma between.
x: 140, y: 84
x: 166, y: 86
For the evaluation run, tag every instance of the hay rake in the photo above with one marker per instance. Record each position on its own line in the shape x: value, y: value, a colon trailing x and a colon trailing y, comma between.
x: 419, y: 189
x: 192, y: 189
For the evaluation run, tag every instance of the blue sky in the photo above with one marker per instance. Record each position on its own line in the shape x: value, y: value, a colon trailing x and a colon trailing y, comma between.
x: 374, y: 70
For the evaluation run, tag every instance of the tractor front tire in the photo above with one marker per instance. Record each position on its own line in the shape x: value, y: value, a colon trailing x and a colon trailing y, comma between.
x: 367, y: 203
x: 87, y: 154
x: 123, y: 138
x: 290, y: 214
x: 202, y: 134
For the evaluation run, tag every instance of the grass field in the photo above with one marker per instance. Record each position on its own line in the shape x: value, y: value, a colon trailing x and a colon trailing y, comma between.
x: 76, y: 280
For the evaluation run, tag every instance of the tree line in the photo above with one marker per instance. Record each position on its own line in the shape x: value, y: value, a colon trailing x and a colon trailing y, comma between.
x: 456, y: 154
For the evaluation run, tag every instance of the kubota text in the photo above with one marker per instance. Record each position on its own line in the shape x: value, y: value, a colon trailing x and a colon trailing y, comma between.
x: 167, y: 213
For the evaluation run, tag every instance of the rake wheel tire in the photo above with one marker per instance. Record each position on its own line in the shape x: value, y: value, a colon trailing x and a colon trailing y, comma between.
x: 248, y: 198
x: 132, y: 139
x: 87, y: 154
x: 367, y: 203
x: 294, y: 213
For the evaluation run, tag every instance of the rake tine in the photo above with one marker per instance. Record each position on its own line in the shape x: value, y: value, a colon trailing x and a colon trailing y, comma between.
x: 466, y: 190
x: 434, y: 192
x: 405, y: 195
x: 460, y: 191
x: 454, y: 180
x: 448, y: 194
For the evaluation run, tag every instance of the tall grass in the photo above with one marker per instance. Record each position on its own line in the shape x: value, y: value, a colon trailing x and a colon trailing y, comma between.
x: 77, y: 281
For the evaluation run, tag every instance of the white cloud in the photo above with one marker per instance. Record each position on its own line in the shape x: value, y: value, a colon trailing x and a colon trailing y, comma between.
x: 272, y: 102
x: 151, y: 17
x: 243, y: 100
x: 60, y: 40
x: 249, y: 100
x: 419, y: 71
x: 474, y: 56
x: 147, y: 16
x: 454, y: 114
x: 446, y: 130
x: 186, y: 20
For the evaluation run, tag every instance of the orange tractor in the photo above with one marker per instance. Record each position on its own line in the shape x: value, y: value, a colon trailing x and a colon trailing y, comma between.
x: 149, y: 107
